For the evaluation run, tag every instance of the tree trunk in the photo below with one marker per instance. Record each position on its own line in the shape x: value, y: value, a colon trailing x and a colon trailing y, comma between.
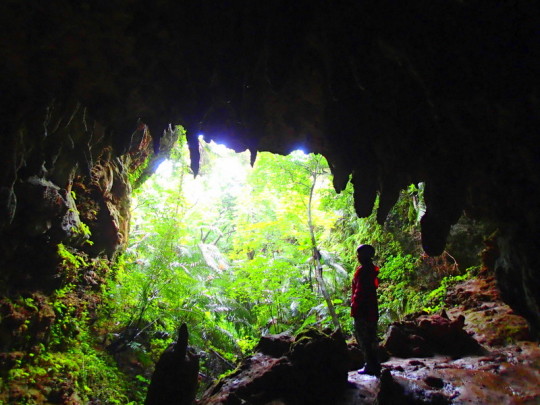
x: 317, y: 261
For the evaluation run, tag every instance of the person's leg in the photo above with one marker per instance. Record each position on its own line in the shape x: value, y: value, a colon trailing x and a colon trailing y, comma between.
x: 359, y: 332
x: 372, y: 347
x: 366, y: 336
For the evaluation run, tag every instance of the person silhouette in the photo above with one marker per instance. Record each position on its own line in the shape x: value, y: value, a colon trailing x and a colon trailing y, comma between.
x: 364, y: 308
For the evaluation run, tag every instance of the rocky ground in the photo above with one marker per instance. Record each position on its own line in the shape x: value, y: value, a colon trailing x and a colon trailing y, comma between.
x: 477, y: 351
x: 507, y: 372
x: 506, y: 375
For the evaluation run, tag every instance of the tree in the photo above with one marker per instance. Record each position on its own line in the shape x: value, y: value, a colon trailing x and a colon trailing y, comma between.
x: 296, y: 178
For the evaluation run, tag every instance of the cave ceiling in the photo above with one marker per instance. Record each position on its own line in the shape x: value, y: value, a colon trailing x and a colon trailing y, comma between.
x: 391, y: 93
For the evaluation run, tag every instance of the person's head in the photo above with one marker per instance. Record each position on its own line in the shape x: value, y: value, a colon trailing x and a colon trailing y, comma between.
x: 365, y: 253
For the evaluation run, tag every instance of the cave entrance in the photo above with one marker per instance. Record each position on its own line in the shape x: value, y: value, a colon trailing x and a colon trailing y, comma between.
x: 233, y: 247
x: 242, y: 250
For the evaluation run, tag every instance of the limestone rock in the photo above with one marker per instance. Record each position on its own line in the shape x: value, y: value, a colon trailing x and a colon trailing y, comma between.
x: 430, y: 334
x: 47, y: 209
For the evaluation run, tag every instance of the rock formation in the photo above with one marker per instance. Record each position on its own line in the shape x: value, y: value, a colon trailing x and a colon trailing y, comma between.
x: 176, y: 375
x: 426, y: 335
x: 312, y: 370
x: 391, y: 93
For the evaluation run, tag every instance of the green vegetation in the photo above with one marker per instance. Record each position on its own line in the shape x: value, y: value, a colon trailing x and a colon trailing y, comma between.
x: 60, y: 360
x: 234, y: 253
x: 240, y: 251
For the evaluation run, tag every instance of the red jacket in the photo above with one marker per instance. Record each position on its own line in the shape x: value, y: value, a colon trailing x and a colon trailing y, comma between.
x: 364, y: 293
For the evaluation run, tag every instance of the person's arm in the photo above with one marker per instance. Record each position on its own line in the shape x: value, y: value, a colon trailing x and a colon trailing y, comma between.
x: 354, y: 290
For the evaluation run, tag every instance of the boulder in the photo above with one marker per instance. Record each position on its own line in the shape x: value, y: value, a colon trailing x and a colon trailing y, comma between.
x: 321, y: 363
x: 258, y: 380
x: 275, y: 345
x: 430, y: 334
x: 401, y: 341
x: 313, y: 371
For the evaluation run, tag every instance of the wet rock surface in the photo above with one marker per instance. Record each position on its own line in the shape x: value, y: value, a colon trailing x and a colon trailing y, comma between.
x: 507, y: 373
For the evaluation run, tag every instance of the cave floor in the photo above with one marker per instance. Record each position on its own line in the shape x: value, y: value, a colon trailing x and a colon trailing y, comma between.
x: 506, y: 375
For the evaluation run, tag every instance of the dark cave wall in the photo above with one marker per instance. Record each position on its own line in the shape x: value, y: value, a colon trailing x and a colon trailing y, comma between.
x: 444, y: 92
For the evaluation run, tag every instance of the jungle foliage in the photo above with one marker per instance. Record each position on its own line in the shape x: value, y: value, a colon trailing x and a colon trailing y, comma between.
x: 238, y: 252
x: 235, y: 253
